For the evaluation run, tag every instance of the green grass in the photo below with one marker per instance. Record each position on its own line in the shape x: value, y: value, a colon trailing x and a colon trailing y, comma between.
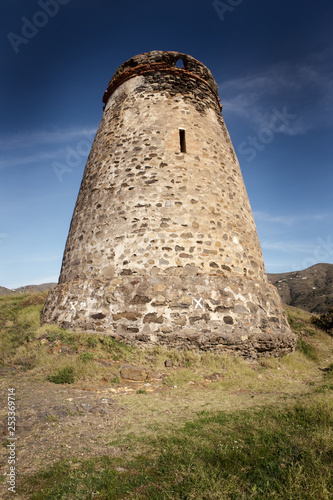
x: 307, y: 349
x: 266, y: 453
x: 85, y: 357
x: 300, y: 321
x: 63, y: 376
x: 19, y: 319
x: 280, y: 449
x: 43, y: 349
x: 23, y: 335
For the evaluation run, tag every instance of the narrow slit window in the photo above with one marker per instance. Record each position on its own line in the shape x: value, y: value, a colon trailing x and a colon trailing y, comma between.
x: 182, y: 140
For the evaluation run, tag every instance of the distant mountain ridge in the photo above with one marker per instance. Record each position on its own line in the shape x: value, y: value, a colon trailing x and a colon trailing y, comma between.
x: 311, y: 289
x: 26, y: 289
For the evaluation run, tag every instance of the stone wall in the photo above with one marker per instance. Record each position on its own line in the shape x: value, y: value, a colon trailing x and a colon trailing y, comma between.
x: 156, y: 229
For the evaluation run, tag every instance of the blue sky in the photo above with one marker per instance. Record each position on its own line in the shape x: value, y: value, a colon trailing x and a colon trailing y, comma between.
x: 273, y: 64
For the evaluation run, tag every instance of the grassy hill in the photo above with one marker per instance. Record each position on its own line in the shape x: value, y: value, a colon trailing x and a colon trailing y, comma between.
x: 99, y: 419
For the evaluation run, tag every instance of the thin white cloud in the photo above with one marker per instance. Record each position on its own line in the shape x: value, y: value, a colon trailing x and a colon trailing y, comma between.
x: 292, y: 247
x: 303, y: 254
x: 26, y: 160
x: 287, y: 220
x: 27, y: 146
x: 43, y: 137
x: 304, y: 90
x: 258, y: 114
x: 271, y: 81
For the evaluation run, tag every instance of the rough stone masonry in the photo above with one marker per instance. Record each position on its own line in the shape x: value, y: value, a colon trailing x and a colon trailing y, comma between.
x: 162, y: 247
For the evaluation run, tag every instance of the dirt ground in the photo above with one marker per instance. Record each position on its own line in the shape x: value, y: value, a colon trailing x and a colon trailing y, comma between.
x: 58, y: 421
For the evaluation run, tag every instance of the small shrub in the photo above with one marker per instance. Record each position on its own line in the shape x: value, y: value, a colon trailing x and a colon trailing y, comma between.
x: 115, y: 380
x: 324, y: 322
x: 67, y: 338
x: 92, y: 342
x: 51, y: 336
x: 52, y: 418
x: 63, y: 376
x: 116, y: 349
x: 141, y: 391
x: 85, y: 357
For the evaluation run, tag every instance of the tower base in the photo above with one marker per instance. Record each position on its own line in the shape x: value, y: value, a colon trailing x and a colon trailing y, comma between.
x: 203, y: 312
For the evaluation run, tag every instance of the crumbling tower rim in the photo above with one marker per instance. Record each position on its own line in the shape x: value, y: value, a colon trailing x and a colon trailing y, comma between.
x: 160, y: 61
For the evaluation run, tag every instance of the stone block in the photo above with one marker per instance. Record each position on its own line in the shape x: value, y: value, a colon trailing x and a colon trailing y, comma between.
x: 152, y: 318
x: 190, y: 270
x: 240, y: 309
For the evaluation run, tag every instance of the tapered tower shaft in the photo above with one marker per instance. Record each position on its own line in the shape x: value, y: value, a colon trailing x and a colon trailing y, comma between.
x: 163, y: 246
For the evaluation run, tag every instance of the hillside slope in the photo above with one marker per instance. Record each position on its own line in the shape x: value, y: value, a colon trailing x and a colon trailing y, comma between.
x: 311, y: 289
x: 26, y: 289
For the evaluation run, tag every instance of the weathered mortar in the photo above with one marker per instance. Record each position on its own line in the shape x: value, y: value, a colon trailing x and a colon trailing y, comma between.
x: 163, y: 246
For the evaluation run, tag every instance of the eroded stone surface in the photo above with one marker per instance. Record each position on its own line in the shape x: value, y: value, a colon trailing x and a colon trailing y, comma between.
x: 163, y: 246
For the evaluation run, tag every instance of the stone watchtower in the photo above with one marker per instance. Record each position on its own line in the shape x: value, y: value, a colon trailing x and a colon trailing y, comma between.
x: 162, y: 247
